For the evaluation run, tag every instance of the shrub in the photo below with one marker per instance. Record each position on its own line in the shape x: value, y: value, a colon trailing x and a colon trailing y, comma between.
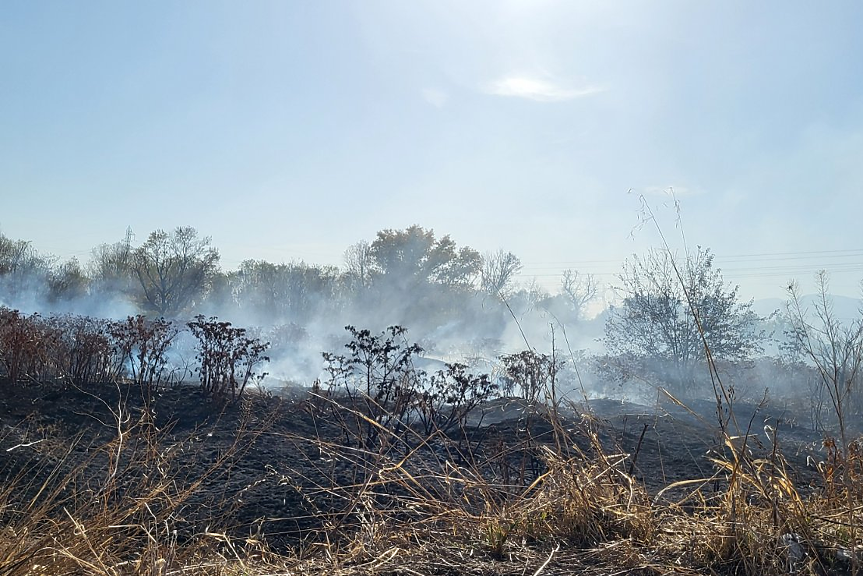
x: 83, y: 351
x: 25, y: 342
x: 450, y: 395
x: 141, y: 346
x: 531, y: 372
x: 227, y: 357
x: 377, y: 374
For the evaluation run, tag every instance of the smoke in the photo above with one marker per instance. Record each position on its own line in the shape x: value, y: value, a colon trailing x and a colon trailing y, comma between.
x: 303, y: 309
x: 32, y: 292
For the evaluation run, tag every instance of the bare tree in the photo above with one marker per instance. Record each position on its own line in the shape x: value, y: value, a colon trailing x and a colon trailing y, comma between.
x: 67, y: 281
x: 661, y: 328
x: 17, y: 254
x: 23, y: 270
x: 360, y: 264
x: 498, y: 272
x: 578, y: 289
x: 529, y: 297
x: 112, y: 263
x: 834, y: 348
x: 174, y: 269
x: 286, y: 292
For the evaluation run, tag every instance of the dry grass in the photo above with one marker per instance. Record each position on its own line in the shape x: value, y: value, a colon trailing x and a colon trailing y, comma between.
x: 551, y: 501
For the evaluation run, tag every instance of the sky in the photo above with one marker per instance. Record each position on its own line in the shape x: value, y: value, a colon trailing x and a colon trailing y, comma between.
x: 290, y: 130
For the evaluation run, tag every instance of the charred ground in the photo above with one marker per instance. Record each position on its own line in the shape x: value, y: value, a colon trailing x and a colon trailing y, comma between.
x: 281, y: 471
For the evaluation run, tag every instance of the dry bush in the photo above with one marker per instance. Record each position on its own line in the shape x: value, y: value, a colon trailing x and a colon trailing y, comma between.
x: 25, y: 342
x: 377, y: 377
x: 227, y: 357
x: 449, y: 396
x: 532, y: 373
x: 83, y: 351
x: 141, y: 347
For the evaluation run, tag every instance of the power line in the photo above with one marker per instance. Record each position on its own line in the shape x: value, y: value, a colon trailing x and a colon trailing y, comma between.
x: 859, y: 250
x: 797, y: 255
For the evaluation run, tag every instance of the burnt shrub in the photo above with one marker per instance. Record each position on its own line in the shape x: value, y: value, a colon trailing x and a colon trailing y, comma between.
x: 227, y: 357
x: 67, y: 348
x: 26, y: 346
x: 450, y: 395
x: 82, y: 352
x: 141, y: 350
x: 531, y: 372
x: 378, y: 377
x: 79, y: 350
x: 387, y: 395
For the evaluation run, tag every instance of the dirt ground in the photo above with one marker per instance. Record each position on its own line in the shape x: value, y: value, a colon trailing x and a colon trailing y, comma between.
x: 267, y: 465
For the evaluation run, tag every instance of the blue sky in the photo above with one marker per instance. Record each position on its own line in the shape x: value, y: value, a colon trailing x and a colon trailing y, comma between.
x: 290, y: 130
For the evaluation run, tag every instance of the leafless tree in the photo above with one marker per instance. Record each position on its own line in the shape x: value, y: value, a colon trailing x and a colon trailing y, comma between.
x: 579, y: 290
x: 174, y: 269
x: 360, y: 264
x: 22, y: 268
x: 67, y: 281
x: 498, y: 272
x: 285, y: 292
x: 666, y: 319
x: 833, y: 347
x: 112, y: 263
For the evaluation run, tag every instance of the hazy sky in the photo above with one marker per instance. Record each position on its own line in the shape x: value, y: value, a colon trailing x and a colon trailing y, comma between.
x: 290, y: 130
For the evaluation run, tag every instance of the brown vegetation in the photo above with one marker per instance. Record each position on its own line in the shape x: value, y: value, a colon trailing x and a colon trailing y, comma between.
x: 346, y: 480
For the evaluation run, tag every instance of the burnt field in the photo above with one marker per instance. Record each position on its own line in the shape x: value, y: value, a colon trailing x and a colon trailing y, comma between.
x: 146, y: 446
x: 99, y: 479
x: 431, y: 288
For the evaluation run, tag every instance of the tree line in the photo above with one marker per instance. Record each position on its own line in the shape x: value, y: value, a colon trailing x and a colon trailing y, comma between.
x: 673, y: 313
x: 409, y: 273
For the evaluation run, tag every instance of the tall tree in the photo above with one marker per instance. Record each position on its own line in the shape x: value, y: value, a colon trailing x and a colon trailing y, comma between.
x: 174, y: 269
x: 111, y: 271
x: 834, y: 347
x: 414, y: 256
x: 67, y: 281
x: 286, y: 292
x: 112, y: 263
x: 24, y: 271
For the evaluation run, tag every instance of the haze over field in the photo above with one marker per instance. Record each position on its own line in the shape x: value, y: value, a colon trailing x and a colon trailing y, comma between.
x: 289, y: 131
x: 463, y: 286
